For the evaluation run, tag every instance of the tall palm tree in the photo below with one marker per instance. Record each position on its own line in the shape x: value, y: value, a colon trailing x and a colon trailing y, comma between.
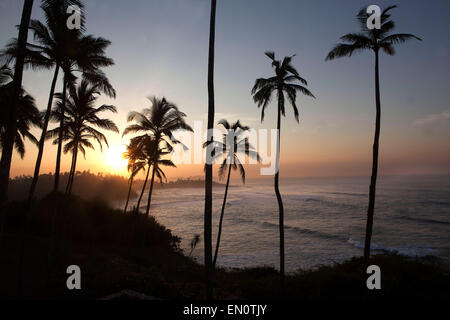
x: 51, y: 42
x: 231, y: 146
x: 80, y: 118
x: 375, y: 40
x: 158, y: 124
x: 285, y: 82
x: 136, y: 163
x: 207, y: 220
x: 87, y: 56
x: 27, y: 116
x: 10, y: 135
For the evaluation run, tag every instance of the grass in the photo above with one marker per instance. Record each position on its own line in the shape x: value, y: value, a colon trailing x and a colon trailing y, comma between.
x: 117, y: 252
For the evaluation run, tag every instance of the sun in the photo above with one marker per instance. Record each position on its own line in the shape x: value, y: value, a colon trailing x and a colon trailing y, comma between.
x: 114, y: 157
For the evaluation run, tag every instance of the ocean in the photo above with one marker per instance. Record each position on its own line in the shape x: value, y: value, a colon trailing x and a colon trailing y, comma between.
x: 324, y: 219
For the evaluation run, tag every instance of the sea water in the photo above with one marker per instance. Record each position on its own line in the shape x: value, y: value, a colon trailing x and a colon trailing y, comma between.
x: 325, y: 219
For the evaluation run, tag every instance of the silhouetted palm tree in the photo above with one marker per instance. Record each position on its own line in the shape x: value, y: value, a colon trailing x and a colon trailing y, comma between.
x: 136, y: 163
x: 374, y: 40
x: 47, y: 51
x: 10, y: 135
x: 158, y: 124
x: 283, y: 83
x: 79, y: 117
x: 28, y: 115
x: 231, y: 146
x: 155, y: 159
x: 207, y: 220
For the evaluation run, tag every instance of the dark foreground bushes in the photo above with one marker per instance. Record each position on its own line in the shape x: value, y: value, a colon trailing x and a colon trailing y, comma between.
x: 116, y: 252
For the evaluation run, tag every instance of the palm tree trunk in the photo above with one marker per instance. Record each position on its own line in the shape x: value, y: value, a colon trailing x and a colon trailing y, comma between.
x: 37, y: 166
x: 143, y: 189
x: 70, y: 173
x: 219, y: 233
x: 128, y: 196
x: 277, y: 191
x: 208, y: 166
x: 373, y: 179
x: 60, y: 136
x: 7, y: 150
x: 74, y: 168
x: 149, y: 201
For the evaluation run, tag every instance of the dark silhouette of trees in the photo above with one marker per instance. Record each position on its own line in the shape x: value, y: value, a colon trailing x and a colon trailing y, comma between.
x: 157, y: 124
x: 10, y: 134
x: 285, y: 82
x: 136, y: 163
x: 27, y: 114
x: 375, y: 40
x: 80, y: 118
x: 231, y: 146
x: 47, y: 51
x: 207, y: 232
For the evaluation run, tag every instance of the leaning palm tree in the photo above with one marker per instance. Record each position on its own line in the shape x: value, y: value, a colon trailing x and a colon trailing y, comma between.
x: 158, y: 124
x: 80, y: 118
x: 285, y: 82
x: 27, y: 116
x: 375, y: 40
x: 10, y: 135
x: 136, y: 163
x: 207, y: 218
x: 231, y: 146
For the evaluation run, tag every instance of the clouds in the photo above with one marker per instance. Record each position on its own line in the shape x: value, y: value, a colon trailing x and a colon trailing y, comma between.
x: 431, y: 122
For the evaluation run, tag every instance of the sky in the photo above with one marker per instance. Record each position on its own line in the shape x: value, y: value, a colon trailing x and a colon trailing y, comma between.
x: 160, y: 47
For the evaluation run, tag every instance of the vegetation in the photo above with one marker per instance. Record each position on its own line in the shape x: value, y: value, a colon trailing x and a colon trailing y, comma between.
x: 79, y: 117
x: 207, y: 220
x: 157, y: 124
x: 106, y: 187
x: 283, y: 83
x: 374, y: 40
x: 117, y: 251
x: 230, y: 148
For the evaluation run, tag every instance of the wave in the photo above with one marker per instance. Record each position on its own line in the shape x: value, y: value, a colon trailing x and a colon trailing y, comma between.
x: 316, y: 233
x: 407, y: 251
x: 347, y: 194
x: 435, y: 203
x: 423, y: 220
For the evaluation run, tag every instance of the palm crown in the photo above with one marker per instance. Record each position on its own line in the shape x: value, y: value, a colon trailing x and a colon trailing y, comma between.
x: 284, y: 82
x: 231, y: 146
x: 80, y: 113
x: 367, y: 39
x: 159, y: 121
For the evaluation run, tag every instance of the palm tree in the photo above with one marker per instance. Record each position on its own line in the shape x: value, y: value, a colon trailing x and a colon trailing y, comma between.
x: 27, y: 116
x: 207, y: 220
x: 158, y: 124
x: 79, y: 118
x: 136, y: 163
x: 155, y: 155
x: 10, y: 135
x: 283, y: 83
x: 88, y: 55
x: 374, y: 40
x: 51, y: 44
x: 229, y: 148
